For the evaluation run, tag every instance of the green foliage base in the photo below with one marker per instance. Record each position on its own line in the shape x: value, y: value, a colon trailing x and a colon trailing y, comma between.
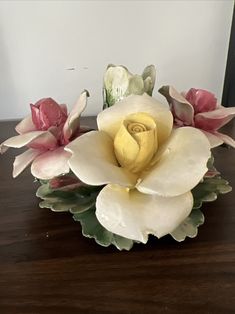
x: 79, y: 199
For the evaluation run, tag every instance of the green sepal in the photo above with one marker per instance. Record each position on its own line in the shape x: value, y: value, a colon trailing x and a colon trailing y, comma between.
x: 91, y: 228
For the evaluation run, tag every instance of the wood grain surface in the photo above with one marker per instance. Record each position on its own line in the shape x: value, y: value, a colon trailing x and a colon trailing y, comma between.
x: 47, y: 266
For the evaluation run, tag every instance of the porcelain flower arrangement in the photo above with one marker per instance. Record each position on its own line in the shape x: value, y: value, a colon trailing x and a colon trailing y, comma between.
x: 146, y: 170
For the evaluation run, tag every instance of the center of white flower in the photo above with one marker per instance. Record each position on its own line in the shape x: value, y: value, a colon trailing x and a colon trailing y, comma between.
x: 136, y: 142
x: 136, y: 127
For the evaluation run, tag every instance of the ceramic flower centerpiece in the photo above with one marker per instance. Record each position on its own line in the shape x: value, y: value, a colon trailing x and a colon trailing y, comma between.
x: 146, y: 170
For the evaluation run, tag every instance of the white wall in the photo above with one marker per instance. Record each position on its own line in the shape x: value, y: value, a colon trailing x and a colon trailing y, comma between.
x: 40, y: 40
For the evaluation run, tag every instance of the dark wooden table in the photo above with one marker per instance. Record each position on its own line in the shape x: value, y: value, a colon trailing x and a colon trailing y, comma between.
x: 47, y: 266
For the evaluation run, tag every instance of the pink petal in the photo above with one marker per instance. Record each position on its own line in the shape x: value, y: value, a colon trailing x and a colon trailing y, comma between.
x: 72, y: 122
x: 36, y: 116
x: 23, y: 160
x: 47, y: 141
x: 64, y: 109
x: 26, y: 139
x: 46, y: 113
x: 213, y: 139
x: 211, y: 173
x: 26, y: 125
x: 181, y: 108
x: 201, y: 99
x: 65, y: 183
x: 51, y: 164
x: 226, y: 139
x: 213, y: 120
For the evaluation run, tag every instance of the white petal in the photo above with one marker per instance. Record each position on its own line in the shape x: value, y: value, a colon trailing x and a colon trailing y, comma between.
x: 43, y: 137
x: 51, y: 164
x: 134, y: 215
x: 226, y: 139
x: 181, y: 166
x: 110, y: 119
x: 23, y: 160
x: 116, y: 81
x: 26, y: 125
x: 93, y: 160
x: 182, y: 108
x: 72, y: 122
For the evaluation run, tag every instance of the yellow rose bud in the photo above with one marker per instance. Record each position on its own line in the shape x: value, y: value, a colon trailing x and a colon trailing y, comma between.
x: 136, y: 142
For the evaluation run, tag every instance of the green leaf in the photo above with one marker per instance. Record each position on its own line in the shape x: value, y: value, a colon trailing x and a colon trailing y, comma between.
x: 75, y: 200
x: 212, y: 172
x: 206, y: 191
x: 91, y: 228
x: 210, y: 187
x: 43, y: 190
x: 60, y: 205
x: 189, y: 227
x: 80, y: 201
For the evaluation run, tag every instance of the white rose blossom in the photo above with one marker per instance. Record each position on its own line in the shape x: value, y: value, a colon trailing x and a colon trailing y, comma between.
x: 148, y: 168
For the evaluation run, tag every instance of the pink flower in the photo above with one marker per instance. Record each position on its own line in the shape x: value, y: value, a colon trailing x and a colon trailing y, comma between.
x: 199, y: 108
x: 46, y: 113
x: 45, y: 133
